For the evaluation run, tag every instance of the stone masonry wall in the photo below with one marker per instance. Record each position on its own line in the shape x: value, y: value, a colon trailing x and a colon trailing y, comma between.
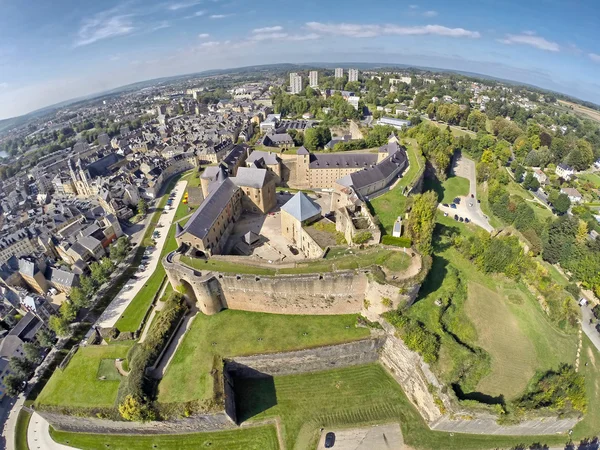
x: 312, y: 360
x: 193, y: 424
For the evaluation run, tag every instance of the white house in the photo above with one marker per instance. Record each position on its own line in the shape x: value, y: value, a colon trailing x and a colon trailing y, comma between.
x: 573, y: 194
x: 564, y: 171
x: 540, y: 176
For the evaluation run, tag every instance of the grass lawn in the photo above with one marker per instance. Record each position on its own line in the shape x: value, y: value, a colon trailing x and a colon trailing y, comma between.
x: 392, y: 204
x: 252, y: 438
x: 456, y: 131
x: 78, y: 384
x: 21, y: 430
x: 234, y: 333
x: 482, y: 196
x: 345, y: 397
x: 108, y: 370
x: 590, y: 178
x: 391, y: 259
x: 448, y: 190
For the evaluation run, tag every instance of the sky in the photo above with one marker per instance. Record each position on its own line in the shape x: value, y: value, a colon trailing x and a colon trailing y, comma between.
x: 52, y: 51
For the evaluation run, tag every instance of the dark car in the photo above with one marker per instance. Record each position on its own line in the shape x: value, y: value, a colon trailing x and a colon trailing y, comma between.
x: 466, y: 220
x: 453, y: 205
x: 329, y: 440
x: 472, y: 196
x: 460, y: 219
x: 445, y: 205
x: 456, y: 200
x: 455, y: 216
x: 598, y: 327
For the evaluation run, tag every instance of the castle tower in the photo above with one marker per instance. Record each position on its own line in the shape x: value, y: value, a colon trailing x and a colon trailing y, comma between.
x: 303, y: 166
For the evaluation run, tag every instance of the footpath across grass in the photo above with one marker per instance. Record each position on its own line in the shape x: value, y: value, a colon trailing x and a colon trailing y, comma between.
x: 236, y: 333
x: 79, y: 385
x: 252, y: 438
x: 21, y: 430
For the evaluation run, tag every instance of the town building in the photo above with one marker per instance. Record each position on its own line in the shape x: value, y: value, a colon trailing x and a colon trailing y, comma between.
x: 573, y: 194
x: 564, y: 171
x: 539, y: 175
x: 295, y: 83
x: 353, y: 75
x: 339, y: 72
x: 313, y: 79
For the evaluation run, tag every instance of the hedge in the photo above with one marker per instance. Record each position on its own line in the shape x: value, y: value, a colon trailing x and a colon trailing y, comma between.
x: 396, y: 241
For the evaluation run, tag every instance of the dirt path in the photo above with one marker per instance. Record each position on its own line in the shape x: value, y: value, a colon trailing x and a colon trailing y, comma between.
x: 119, y: 367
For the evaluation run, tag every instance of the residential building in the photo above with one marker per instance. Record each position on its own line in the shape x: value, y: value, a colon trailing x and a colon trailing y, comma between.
x: 396, y: 123
x: 353, y: 75
x: 295, y: 83
x: 354, y: 101
x: 313, y: 78
x: 564, y: 171
x: 573, y: 194
x: 339, y: 72
x: 540, y: 176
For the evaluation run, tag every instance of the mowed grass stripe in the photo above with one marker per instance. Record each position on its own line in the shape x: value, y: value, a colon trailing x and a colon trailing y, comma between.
x: 251, y: 438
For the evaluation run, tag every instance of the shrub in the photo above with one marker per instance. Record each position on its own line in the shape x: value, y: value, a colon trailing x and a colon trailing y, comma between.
x: 386, y: 302
x: 134, y: 410
x: 362, y: 237
x: 396, y: 241
x: 415, y: 335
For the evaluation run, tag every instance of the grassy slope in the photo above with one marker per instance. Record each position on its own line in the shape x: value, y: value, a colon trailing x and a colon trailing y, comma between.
x: 78, y: 384
x: 21, y: 430
x: 234, y: 333
x: 392, y: 204
x: 134, y: 314
x: 591, y: 178
x: 550, y: 345
x: 448, y: 190
x: 254, y: 438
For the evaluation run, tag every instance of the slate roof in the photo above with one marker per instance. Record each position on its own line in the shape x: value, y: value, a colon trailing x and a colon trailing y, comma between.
x: 27, y: 267
x: 269, y: 158
x: 302, y: 151
x: 342, y: 160
x: 61, y: 277
x: 27, y: 327
x: 301, y: 207
x: 210, y: 209
x: 250, y: 177
x: 9, y: 345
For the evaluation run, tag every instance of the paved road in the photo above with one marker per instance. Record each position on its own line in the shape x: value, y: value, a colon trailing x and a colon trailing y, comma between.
x: 468, y: 206
x: 382, y: 437
x: 589, y: 328
x: 38, y: 435
x: 122, y: 300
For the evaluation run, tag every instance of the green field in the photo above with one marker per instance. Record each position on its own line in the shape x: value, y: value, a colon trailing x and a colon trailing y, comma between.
x: 235, y: 333
x: 449, y: 189
x: 78, y: 384
x: 590, y: 178
x: 252, y: 438
x: 456, y: 131
x: 393, y: 260
x: 21, y: 430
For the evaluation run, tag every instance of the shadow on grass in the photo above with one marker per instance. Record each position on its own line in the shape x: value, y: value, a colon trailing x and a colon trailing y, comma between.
x: 434, y: 278
x: 477, y: 396
x: 434, y: 184
x: 254, y: 393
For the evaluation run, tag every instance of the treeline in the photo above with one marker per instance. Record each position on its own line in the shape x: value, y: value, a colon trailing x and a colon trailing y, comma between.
x: 373, y: 137
x: 310, y: 101
x: 437, y: 144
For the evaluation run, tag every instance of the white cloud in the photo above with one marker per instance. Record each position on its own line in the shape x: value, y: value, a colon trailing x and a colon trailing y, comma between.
x: 430, y: 13
x: 203, y: 35
x: 104, y: 25
x: 196, y: 14
x: 594, y: 57
x: 268, y: 36
x: 365, y: 31
x: 220, y: 16
x: 413, y: 6
x: 304, y: 37
x: 532, y: 40
x: 4, y: 85
x: 268, y: 29
x: 210, y: 44
x: 161, y: 25
x: 182, y: 5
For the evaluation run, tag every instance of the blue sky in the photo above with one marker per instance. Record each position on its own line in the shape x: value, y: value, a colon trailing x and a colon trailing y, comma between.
x: 54, y: 51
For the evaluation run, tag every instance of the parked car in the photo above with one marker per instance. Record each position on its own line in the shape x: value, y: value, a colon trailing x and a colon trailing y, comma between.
x: 471, y: 204
x: 466, y: 220
x: 329, y: 440
x: 445, y: 205
x: 445, y: 214
x: 472, y: 196
x: 456, y: 200
x: 453, y: 205
x: 455, y: 216
x: 460, y: 219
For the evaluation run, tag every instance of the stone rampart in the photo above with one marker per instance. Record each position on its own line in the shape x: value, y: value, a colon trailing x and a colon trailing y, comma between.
x: 311, y: 360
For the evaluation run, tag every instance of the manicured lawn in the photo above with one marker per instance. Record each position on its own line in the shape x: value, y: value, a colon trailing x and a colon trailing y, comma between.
x: 78, y: 384
x: 448, y: 190
x: 21, y: 430
x: 346, y: 397
x: 234, y: 333
x: 252, y: 438
x: 108, y: 370
x: 456, y: 131
x: 391, y: 259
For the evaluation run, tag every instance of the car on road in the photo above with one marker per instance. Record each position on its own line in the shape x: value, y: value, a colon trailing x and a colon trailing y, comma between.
x: 453, y: 205
x: 329, y: 440
x: 471, y: 204
x: 472, y: 196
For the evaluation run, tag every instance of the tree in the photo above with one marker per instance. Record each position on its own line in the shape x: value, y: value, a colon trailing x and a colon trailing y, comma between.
x: 562, y: 203
x: 21, y: 366
x: 120, y: 249
x: 78, y: 298
x: 98, y: 274
x: 476, y: 121
x: 107, y: 266
x: 88, y: 285
x: 59, y: 325
x: 68, y: 311
x: 45, y: 338
x: 13, y: 383
x: 519, y: 173
x: 142, y: 207
x: 32, y: 351
x: 134, y: 410
x: 421, y: 221
x: 582, y: 231
x: 530, y: 182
